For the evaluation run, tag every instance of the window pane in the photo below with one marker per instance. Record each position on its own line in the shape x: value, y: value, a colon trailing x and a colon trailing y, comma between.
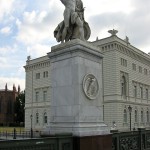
x: 141, y: 92
x: 37, y: 117
x: 142, y: 119
x: 45, y: 118
x: 44, y: 95
x: 146, y: 93
x: 147, y: 115
x: 37, y: 75
x: 125, y: 116
x: 123, y: 86
x: 37, y: 96
x: 135, y: 115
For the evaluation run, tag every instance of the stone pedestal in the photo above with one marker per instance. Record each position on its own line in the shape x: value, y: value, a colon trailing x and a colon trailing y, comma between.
x: 77, y: 90
x: 99, y: 142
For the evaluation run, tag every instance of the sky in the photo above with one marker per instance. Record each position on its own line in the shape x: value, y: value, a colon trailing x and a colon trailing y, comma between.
x: 26, y: 29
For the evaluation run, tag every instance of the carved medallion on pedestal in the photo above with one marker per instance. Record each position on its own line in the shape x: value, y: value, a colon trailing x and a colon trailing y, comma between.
x: 90, y: 86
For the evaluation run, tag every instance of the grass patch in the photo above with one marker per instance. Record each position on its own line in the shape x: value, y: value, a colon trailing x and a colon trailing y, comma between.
x: 11, y: 129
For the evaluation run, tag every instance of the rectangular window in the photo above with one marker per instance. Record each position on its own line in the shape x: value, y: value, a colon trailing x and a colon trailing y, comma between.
x: 125, y: 116
x: 142, y: 116
x: 136, y: 120
x: 45, y: 118
x: 44, y: 95
x: 147, y: 116
x: 145, y: 71
x: 37, y: 118
x: 146, y: 94
x: 134, y: 67
x: 124, y: 62
x: 36, y: 96
x: 141, y: 92
x: 135, y: 91
x: 45, y: 74
x: 37, y: 75
x: 140, y: 69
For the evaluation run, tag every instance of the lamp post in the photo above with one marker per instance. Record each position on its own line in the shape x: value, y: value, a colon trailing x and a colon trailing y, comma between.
x: 31, y: 126
x: 130, y: 110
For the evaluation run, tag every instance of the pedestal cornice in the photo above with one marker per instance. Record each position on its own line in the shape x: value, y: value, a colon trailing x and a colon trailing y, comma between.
x: 75, y: 46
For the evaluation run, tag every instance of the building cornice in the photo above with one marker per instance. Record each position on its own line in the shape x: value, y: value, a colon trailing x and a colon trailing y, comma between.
x: 38, y: 65
x: 125, y: 102
x: 115, y: 43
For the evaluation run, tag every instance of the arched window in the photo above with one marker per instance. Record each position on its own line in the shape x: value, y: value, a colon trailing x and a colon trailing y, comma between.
x: 125, y: 116
x: 147, y: 116
x: 136, y: 116
x: 123, y: 86
x: 37, y: 118
x: 45, y: 118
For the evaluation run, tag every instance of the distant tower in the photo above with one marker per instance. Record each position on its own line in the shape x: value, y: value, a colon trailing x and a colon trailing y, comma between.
x: 6, y: 87
x: 18, y: 89
x: 14, y: 88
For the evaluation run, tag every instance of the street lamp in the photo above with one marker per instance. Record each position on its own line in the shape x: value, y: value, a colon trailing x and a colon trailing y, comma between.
x: 130, y: 110
x: 31, y: 126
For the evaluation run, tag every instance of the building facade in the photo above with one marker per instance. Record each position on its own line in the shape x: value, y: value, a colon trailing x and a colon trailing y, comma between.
x: 7, y: 101
x: 37, y: 95
x: 126, y: 74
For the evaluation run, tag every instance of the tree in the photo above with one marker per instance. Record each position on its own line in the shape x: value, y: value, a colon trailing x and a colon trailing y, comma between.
x: 19, y: 107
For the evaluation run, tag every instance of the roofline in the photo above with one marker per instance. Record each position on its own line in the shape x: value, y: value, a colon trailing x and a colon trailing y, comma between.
x: 124, y: 42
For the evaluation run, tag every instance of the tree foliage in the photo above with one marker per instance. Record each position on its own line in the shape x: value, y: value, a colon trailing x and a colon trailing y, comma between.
x: 19, y: 107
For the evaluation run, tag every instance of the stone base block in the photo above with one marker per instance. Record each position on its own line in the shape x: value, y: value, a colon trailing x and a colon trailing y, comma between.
x: 80, y: 129
x: 99, y: 142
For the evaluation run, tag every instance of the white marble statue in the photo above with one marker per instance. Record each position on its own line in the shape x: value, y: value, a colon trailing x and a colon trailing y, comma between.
x: 73, y: 26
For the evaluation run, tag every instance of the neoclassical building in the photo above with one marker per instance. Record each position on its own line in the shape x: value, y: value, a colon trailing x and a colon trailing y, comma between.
x: 37, y: 95
x: 126, y: 84
x: 126, y: 77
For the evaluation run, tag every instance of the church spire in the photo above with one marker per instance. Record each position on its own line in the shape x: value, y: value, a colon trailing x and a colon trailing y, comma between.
x: 6, y: 87
x: 14, y: 88
x: 18, y: 88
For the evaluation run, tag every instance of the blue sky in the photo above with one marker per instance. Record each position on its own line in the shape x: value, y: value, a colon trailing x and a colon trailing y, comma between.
x: 26, y: 28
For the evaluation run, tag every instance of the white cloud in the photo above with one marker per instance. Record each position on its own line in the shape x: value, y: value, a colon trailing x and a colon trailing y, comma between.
x: 2, y: 61
x: 18, y: 23
x: 98, y: 7
x: 8, y: 50
x: 6, y: 30
x: 38, y: 50
x: 6, y: 7
x: 33, y: 29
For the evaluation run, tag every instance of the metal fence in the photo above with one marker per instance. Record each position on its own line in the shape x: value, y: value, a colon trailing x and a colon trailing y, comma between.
x: 134, y: 140
x: 53, y: 143
x: 5, y: 135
